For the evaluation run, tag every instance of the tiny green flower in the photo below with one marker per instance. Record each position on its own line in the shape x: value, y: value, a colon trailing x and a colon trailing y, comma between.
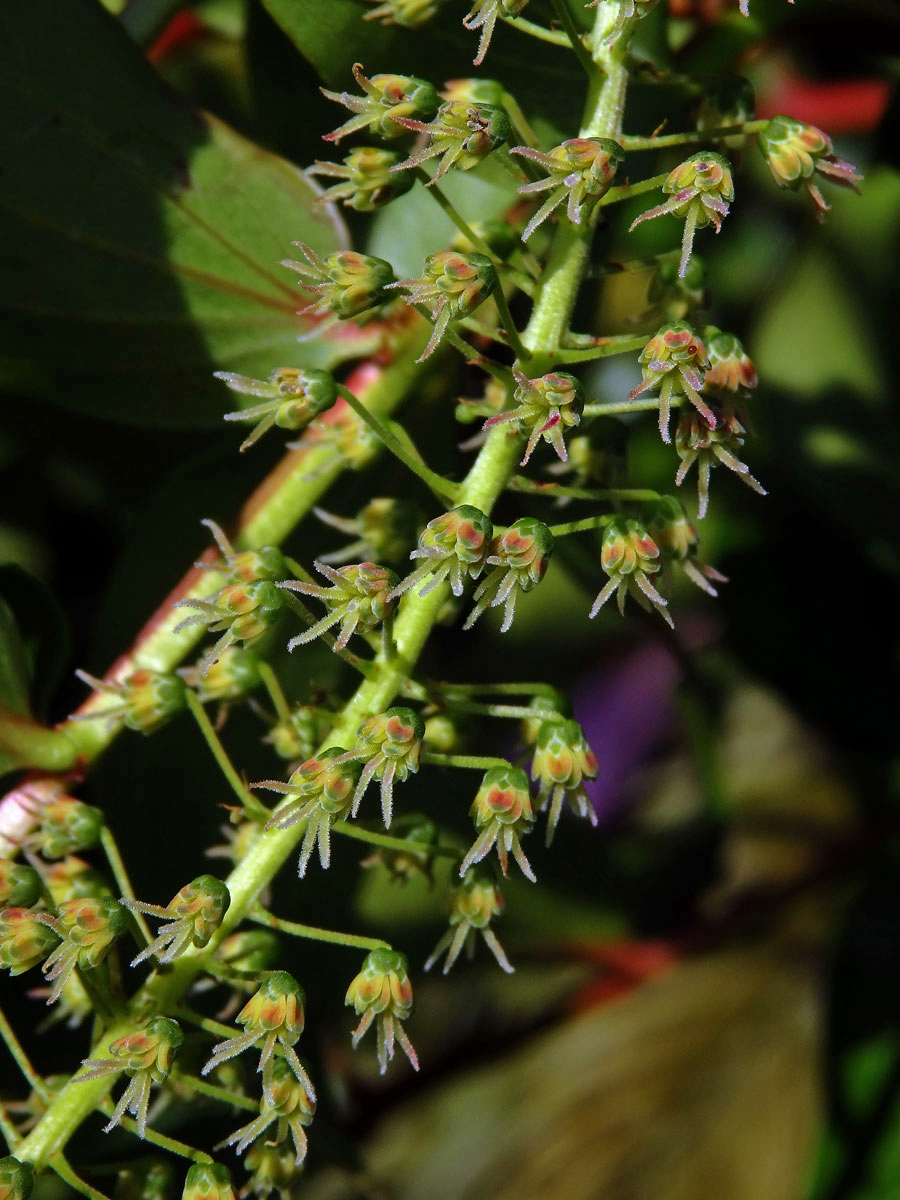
x: 502, y: 813
x: 383, y: 530
x: 66, y: 826
x: 675, y: 297
x: 697, y: 442
x: 390, y: 744
x: 16, y: 1178
x: 473, y: 905
x: 287, y: 1105
x: 24, y: 940
x: 452, y: 286
x: 677, y: 539
x: 272, y: 1168
x: 297, y: 735
x: 193, y: 914
x: 730, y: 369
x: 234, y: 673
x: 520, y: 557
x: 321, y: 792
x: 382, y: 993
x: 675, y: 361
x: 146, y: 1055
x: 461, y: 135
x: 562, y: 761
x: 146, y: 699
x: 208, y: 1181
x: 544, y: 408
x: 701, y: 190
x: 88, y: 926
x: 291, y: 399
x: 20, y: 885
x: 454, y: 546
x: 346, y: 284
x: 385, y: 99
x: 580, y: 172
x: 368, y: 178
x: 360, y: 598
x: 629, y: 556
x: 794, y: 152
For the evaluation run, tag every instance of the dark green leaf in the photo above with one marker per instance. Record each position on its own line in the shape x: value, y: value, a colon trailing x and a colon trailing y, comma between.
x: 142, y: 239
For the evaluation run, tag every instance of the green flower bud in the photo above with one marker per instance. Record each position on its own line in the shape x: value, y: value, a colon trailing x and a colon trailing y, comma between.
x: 727, y: 101
x: 502, y: 813
x: 67, y: 825
x: 382, y: 993
x: 675, y: 361
x: 520, y: 557
x: 16, y: 1178
x: 193, y: 914
x: 154, y: 1180
x: 579, y: 171
x: 386, y: 99
x: 24, y: 940
x: 473, y: 905
x: 146, y: 1055
x: 147, y: 699
x: 272, y: 1168
x: 461, y: 135
x: 208, y: 1181
x: 794, y: 152
x: 369, y: 178
x: 241, y: 612
x: 234, y: 673
x: 285, y: 1104
x: 454, y: 545
x: 88, y: 926
x: 322, y: 792
x: 452, y: 286
x: 475, y: 91
x: 545, y: 708
x: 701, y: 190
x: 360, y: 598
x: 390, y: 744
x: 20, y: 886
x: 72, y: 877
x: 348, y: 285
x: 291, y: 399
x: 383, y: 530
x: 707, y: 446
x: 562, y: 761
x: 296, y: 737
x: 674, y: 297
x: 677, y: 539
x: 629, y: 556
x: 544, y: 408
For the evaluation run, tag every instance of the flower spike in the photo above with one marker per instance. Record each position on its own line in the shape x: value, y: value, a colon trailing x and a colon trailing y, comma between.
x: 321, y: 792
x: 454, y: 545
x: 502, y: 813
x: 360, y: 598
x: 452, y: 286
x: 292, y: 398
x: 473, y: 905
x: 483, y: 15
x: 562, y: 761
x: 675, y: 361
x: 520, y: 558
x: 145, y: 1055
x: 193, y: 914
x: 579, y: 171
x: 794, y: 152
x: 390, y: 744
x: 462, y: 135
x: 701, y: 190
x: 545, y: 407
x: 629, y: 556
x: 385, y: 98
x: 382, y: 993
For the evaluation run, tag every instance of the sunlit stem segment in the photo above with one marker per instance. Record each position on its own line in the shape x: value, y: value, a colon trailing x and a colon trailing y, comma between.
x: 581, y: 526
x: 616, y: 408
x: 553, y: 37
x: 474, y: 762
x: 691, y: 136
x: 314, y: 933
x: 223, y: 1095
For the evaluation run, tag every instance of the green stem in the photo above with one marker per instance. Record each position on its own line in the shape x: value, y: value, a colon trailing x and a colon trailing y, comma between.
x: 474, y: 762
x: 17, y: 1050
x: 581, y: 526
x: 25, y: 743
x: 497, y: 689
x: 620, y: 407
x: 625, y: 191
x: 276, y: 694
x: 533, y: 487
x: 575, y: 38
x: 223, y: 1095
x: 606, y: 348
x: 251, y: 805
x: 123, y: 882
x: 61, y: 1167
x: 314, y: 933
x: 182, y: 1149
x: 387, y: 842
x: 443, y: 488
x: 552, y: 36
x: 509, y: 326
x: 691, y: 136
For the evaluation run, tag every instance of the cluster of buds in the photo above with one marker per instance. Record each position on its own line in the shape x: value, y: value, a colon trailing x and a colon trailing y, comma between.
x: 360, y: 599
x: 369, y: 177
x: 520, y: 557
x: 794, y: 152
x: 503, y: 814
x: 208, y: 1181
x: 629, y: 556
x: 677, y: 539
x: 629, y: 10
x: 580, y: 172
x: 321, y: 792
x: 287, y: 1105
x: 87, y: 927
x: 382, y: 993
x: 66, y: 826
x: 386, y: 99
x: 383, y: 530
x: 473, y: 905
x: 700, y: 190
x: 454, y: 546
x: 20, y: 885
x: 348, y: 286
x: 544, y: 408
x: 562, y: 761
x: 675, y: 361
x: 696, y: 442
x: 146, y: 1056
x: 146, y: 699
x: 461, y: 135
x: 247, y: 604
x: 408, y: 13
x: 193, y: 914
x: 451, y: 287
x: 291, y: 399
x: 389, y: 744
x: 273, y: 1018
x: 483, y: 15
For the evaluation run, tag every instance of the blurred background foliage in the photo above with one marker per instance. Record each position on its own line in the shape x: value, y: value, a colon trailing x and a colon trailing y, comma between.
x: 708, y: 999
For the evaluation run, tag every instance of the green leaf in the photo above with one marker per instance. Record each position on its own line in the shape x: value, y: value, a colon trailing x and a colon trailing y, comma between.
x: 142, y: 239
